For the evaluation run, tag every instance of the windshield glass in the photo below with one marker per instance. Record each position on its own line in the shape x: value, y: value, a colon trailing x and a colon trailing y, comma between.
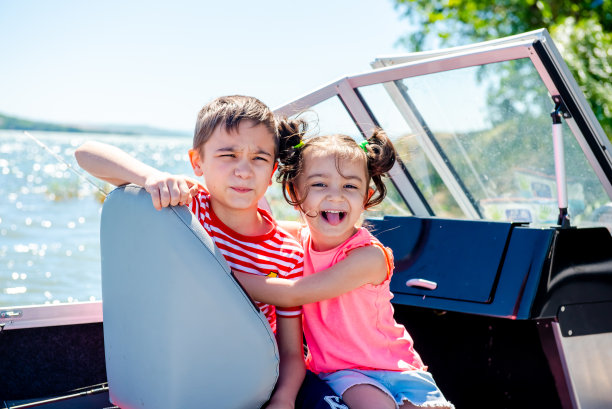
x: 488, y: 128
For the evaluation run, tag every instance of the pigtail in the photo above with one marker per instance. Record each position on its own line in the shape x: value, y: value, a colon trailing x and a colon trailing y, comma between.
x: 381, y: 157
x: 291, y: 134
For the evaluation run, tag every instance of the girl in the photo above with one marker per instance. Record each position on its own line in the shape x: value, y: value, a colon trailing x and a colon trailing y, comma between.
x: 354, y: 343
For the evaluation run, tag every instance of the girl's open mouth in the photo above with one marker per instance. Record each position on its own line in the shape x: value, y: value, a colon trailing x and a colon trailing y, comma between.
x: 333, y: 217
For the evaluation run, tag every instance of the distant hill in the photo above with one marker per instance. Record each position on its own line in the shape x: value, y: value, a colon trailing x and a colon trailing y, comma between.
x: 11, y: 122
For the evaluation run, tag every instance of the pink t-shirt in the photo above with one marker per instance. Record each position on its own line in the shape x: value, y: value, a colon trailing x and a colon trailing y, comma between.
x: 357, y: 329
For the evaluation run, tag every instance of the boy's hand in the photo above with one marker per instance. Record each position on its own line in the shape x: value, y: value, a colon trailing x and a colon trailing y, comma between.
x: 170, y: 190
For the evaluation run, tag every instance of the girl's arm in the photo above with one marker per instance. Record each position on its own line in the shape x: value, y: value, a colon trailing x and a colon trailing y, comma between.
x: 115, y: 166
x: 364, y: 265
x: 292, y: 367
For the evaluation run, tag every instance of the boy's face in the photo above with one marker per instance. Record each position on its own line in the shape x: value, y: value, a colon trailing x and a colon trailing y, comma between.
x: 236, y: 165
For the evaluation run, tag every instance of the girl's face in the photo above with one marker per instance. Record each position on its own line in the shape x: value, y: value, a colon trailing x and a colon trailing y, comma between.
x: 334, y: 201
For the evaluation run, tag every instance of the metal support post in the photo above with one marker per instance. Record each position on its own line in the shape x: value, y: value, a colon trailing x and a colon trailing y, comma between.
x: 557, y: 135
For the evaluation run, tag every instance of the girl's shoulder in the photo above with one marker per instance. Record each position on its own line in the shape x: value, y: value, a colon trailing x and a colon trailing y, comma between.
x: 361, y: 238
x: 369, y: 246
x: 291, y: 227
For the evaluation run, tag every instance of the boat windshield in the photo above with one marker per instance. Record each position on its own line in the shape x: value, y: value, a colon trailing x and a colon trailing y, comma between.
x: 473, y: 131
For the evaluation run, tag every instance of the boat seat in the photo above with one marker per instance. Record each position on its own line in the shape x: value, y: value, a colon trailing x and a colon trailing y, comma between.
x: 179, y: 331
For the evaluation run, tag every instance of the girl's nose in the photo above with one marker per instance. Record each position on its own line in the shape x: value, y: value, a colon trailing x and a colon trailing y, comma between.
x: 334, y: 194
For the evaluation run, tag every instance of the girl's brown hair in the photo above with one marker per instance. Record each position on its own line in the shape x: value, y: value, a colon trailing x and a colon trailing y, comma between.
x: 378, y: 155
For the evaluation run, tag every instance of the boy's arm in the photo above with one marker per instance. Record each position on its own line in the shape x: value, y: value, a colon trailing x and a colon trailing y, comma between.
x: 292, y: 367
x: 115, y: 166
x: 364, y: 265
x: 111, y: 164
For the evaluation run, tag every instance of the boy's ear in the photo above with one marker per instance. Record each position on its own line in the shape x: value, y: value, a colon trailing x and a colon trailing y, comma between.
x: 195, y: 159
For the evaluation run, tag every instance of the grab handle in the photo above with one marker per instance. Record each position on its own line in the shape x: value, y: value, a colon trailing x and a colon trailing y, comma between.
x: 422, y: 283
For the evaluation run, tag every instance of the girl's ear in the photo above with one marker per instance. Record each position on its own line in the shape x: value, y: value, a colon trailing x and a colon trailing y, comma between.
x: 368, y: 196
x: 289, y: 193
x: 195, y: 159
x: 273, y: 172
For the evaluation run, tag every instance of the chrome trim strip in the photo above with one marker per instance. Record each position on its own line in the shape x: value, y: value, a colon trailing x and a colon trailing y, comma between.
x: 463, y: 49
x: 35, y: 316
x: 442, y: 63
x: 556, y: 330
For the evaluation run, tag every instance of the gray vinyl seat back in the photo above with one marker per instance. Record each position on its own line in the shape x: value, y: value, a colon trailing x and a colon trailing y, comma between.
x: 179, y: 331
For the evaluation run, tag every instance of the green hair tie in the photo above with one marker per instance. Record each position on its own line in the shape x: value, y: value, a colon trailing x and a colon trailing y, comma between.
x: 299, y: 145
x: 364, y: 145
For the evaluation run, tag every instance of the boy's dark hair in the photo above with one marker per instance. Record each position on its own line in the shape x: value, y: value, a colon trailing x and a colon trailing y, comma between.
x: 379, y: 156
x: 229, y: 111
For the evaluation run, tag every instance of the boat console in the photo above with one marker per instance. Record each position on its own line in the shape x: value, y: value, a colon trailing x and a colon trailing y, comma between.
x: 501, y: 307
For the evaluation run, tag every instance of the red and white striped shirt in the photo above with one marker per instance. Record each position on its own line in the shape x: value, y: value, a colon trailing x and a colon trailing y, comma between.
x: 275, y: 253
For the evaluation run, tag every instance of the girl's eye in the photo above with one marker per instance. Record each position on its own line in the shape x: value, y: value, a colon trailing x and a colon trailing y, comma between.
x: 261, y: 158
x: 228, y: 155
x: 351, y: 187
x: 320, y: 184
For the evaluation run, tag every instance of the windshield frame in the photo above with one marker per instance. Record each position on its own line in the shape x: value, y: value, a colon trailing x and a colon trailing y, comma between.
x: 537, y: 46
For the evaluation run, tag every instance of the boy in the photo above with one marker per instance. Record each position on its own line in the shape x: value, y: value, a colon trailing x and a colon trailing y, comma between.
x: 235, y: 147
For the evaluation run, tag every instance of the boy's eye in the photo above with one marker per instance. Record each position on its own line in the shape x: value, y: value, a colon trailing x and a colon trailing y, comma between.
x: 261, y: 158
x: 318, y: 184
x: 351, y: 187
x: 228, y: 155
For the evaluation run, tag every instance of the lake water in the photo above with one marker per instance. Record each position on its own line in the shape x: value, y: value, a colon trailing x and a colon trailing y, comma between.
x: 50, y: 218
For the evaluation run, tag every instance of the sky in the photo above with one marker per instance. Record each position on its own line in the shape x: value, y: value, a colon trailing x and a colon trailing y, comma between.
x: 156, y: 63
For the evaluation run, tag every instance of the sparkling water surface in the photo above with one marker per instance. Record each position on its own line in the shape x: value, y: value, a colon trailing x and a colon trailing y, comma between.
x: 50, y: 218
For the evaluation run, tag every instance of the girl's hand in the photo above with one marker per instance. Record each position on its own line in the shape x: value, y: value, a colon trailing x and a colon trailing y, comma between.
x: 170, y: 190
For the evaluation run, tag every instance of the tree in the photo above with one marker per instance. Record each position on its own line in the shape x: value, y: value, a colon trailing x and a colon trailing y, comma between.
x: 581, y: 29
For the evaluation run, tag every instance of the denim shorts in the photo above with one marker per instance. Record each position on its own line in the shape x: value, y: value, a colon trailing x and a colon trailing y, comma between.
x: 417, y: 387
